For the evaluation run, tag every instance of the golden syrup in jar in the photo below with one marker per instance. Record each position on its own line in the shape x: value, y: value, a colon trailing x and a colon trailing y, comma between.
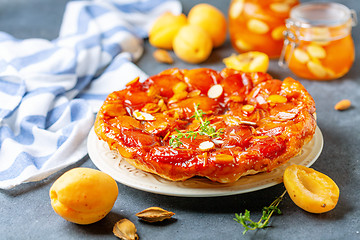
x: 318, y: 42
x: 258, y: 25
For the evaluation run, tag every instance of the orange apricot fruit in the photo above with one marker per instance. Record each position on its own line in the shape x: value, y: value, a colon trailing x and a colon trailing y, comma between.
x: 165, y: 28
x: 83, y: 195
x: 192, y: 44
x: 211, y: 19
x: 311, y: 190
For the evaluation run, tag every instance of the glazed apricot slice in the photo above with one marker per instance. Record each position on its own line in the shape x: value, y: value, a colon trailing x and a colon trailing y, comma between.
x: 311, y: 190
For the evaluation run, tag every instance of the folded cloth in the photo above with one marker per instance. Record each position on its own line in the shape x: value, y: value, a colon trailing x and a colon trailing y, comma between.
x: 49, y: 90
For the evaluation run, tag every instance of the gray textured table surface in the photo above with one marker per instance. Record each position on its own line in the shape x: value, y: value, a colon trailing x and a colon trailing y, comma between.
x: 26, y: 213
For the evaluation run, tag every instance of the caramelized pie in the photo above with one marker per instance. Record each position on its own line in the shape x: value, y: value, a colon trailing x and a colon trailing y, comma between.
x: 261, y: 123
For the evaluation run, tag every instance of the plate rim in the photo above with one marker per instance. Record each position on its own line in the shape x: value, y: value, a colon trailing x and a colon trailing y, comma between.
x: 92, y: 139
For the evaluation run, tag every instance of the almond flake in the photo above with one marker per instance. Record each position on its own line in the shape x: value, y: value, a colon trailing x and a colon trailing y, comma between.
x: 248, y: 123
x: 218, y: 141
x: 215, y: 91
x: 284, y: 116
x: 206, y: 146
x: 143, y: 116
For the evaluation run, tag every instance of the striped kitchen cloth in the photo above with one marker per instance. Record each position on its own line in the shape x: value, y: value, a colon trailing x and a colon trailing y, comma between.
x: 49, y: 90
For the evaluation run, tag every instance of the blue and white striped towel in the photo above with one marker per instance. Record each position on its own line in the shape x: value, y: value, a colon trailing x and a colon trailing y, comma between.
x: 49, y: 90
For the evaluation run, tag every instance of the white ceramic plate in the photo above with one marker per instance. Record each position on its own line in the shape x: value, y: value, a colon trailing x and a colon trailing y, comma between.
x: 111, y: 163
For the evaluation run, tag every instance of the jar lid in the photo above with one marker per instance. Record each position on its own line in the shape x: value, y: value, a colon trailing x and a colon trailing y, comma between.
x: 320, y: 14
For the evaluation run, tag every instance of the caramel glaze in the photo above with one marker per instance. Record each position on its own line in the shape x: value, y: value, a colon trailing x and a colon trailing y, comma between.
x: 275, y: 134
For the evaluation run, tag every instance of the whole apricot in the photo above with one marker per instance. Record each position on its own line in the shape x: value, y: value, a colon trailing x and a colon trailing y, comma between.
x: 211, y: 19
x: 192, y: 44
x: 311, y: 190
x: 165, y: 28
x: 83, y: 195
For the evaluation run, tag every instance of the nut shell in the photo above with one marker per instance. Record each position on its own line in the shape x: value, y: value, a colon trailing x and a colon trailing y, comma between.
x: 125, y: 230
x: 154, y: 214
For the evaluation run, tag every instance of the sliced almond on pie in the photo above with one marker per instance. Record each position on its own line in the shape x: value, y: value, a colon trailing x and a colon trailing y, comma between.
x: 215, y: 91
x: 206, y: 146
x: 143, y: 116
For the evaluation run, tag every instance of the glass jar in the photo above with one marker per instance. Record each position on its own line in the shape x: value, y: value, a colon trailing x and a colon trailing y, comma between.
x: 318, y: 42
x: 258, y: 25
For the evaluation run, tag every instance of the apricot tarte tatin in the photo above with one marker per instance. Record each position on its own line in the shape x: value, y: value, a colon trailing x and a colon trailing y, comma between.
x: 201, y: 122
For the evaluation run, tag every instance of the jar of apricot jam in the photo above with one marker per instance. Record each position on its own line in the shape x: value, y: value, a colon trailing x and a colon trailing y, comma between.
x: 258, y: 25
x: 318, y: 42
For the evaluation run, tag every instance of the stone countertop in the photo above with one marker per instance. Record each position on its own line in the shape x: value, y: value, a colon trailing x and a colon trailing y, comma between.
x: 26, y: 213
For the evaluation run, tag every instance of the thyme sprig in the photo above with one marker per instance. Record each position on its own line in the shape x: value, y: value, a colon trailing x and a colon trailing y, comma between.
x: 205, y: 128
x: 175, y: 140
x: 267, y: 212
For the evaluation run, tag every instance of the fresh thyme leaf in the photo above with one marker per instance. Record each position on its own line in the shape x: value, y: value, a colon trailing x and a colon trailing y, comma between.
x: 175, y: 139
x: 205, y: 128
x: 267, y: 212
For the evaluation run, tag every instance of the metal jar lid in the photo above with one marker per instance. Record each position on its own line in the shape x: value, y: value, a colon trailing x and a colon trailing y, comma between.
x: 321, y: 15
